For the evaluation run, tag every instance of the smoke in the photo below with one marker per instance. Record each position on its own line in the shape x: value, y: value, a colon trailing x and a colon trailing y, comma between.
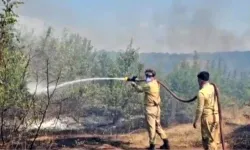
x: 183, y: 26
x: 199, y: 29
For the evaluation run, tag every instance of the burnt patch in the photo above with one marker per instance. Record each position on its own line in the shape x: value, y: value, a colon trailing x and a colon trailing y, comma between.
x: 240, y: 138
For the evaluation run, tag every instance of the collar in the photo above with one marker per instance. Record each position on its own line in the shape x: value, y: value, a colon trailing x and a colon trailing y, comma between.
x: 205, y: 84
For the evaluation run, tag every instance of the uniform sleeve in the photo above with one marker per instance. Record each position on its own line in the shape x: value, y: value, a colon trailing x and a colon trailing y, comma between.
x: 200, y: 105
x: 142, y: 88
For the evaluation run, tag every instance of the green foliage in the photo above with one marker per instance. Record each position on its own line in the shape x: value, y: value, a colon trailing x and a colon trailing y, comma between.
x: 14, y: 97
x: 183, y: 81
x: 124, y: 97
x: 78, y: 59
x: 12, y: 73
x: 13, y: 62
x: 75, y: 55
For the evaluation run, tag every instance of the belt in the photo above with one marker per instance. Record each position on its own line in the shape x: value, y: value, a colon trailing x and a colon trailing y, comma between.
x: 151, y: 105
x: 209, y: 114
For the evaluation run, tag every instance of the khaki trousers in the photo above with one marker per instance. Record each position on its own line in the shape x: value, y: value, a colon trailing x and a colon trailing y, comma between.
x: 210, y: 132
x: 152, y: 117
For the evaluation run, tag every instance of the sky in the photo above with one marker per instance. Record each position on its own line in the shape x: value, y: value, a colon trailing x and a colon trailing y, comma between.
x: 155, y: 25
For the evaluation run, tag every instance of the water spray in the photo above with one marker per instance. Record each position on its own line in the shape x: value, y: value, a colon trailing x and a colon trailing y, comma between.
x: 54, y: 87
x: 135, y: 79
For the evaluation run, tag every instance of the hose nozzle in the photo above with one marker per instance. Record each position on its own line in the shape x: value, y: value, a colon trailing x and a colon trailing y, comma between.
x: 133, y: 79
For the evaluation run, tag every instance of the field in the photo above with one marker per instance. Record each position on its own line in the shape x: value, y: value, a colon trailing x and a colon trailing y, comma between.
x: 236, y: 132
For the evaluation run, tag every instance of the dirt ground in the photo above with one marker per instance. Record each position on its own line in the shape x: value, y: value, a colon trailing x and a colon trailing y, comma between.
x: 236, y: 130
x: 180, y: 137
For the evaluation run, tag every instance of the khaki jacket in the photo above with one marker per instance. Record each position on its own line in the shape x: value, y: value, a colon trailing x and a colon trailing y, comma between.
x: 207, y: 102
x: 152, y: 93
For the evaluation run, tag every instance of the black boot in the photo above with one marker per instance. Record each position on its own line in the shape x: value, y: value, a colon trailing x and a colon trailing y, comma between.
x: 165, y: 145
x: 151, y: 147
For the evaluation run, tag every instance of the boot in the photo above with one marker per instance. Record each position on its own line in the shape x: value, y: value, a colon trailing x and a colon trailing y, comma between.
x: 165, y: 145
x: 151, y: 147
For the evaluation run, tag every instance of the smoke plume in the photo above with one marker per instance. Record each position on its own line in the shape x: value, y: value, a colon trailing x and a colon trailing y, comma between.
x: 199, y: 29
x: 181, y: 26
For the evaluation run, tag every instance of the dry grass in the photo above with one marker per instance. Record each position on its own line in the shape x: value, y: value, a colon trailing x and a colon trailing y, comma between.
x: 185, y: 136
x: 180, y: 136
x: 236, y: 116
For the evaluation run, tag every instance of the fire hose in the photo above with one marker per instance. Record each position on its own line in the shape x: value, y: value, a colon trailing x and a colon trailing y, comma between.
x: 134, y: 79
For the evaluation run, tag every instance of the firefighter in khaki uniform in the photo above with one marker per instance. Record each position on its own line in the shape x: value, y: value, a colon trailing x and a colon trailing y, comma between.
x: 207, y: 110
x: 152, y: 102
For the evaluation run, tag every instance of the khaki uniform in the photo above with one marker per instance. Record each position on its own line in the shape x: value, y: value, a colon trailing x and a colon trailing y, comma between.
x: 207, y: 109
x: 152, y: 101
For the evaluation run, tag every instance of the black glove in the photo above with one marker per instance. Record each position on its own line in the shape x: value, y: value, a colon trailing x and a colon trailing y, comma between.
x: 133, y: 79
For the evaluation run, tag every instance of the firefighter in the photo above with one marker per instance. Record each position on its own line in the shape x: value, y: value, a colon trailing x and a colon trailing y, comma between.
x: 207, y: 112
x: 152, y: 102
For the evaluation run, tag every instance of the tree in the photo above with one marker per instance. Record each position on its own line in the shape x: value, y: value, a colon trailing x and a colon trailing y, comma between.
x: 124, y: 99
x: 14, y: 97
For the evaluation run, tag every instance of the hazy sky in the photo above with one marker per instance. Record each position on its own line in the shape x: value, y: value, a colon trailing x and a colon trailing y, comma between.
x: 155, y: 25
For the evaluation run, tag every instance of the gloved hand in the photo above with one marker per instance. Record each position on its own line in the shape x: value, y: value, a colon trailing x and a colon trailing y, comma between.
x: 133, y: 79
